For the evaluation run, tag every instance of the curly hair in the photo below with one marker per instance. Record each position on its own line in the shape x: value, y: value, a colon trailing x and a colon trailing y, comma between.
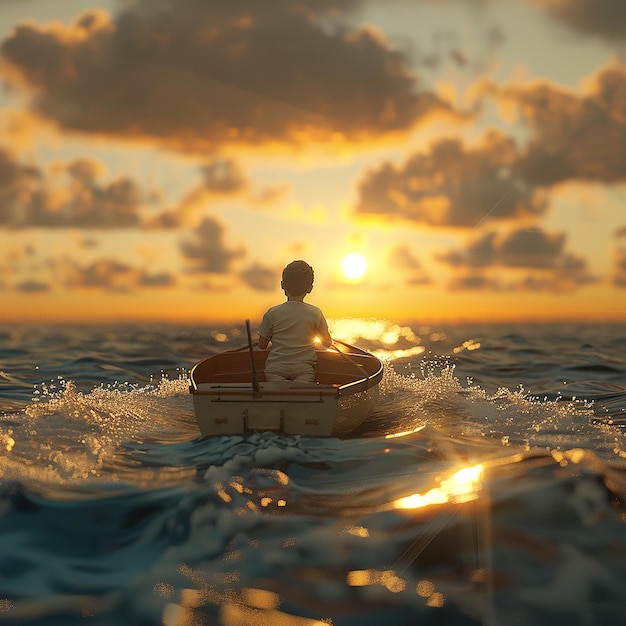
x: 298, y: 278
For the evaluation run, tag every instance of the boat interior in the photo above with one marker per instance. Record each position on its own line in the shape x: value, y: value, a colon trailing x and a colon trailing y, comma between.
x: 333, y: 367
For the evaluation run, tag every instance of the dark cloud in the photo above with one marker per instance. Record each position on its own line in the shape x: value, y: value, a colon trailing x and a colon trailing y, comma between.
x: 619, y: 274
x: 18, y: 183
x: 451, y: 186
x: 568, y: 275
x: 72, y: 196
x: 160, y: 279
x: 223, y: 176
x: 619, y: 267
x: 474, y: 281
x: 193, y: 75
x: 620, y: 233
x: 478, y: 253
x: 447, y: 48
x: 530, y: 248
x: 206, y: 251
x: 107, y: 274
x: 606, y: 18
x: 32, y: 286
x: 521, y: 248
x: 166, y: 220
x: 220, y: 177
x: 551, y: 266
x: 94, y: 205
x: 402, y: 259
x: 261, y: 278
x: 575, y: 137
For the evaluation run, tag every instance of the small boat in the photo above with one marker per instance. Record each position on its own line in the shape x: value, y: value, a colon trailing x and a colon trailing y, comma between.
x: 231, y: 396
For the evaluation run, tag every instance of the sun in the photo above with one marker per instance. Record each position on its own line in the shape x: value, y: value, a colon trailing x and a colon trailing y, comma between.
x: 354, y: 266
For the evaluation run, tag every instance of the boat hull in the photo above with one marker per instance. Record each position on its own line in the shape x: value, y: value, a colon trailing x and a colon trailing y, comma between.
x: 344, y: 395
x: 234, y: 413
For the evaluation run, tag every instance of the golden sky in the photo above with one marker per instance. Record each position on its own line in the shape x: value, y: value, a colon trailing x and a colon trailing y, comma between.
x: 164, y: 159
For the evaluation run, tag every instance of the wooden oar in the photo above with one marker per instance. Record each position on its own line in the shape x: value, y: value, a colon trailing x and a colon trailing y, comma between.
x: 360, y: 368
x: 256, y: 392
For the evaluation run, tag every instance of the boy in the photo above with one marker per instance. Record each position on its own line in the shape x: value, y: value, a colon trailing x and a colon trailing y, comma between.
x: 292, y: 328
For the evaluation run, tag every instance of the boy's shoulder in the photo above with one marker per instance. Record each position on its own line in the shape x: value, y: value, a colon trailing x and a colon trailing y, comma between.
x: 291, y: 306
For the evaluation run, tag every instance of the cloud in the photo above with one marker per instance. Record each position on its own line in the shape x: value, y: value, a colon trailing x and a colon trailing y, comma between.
x: 479, y: 253
x: 521, y: 248
x: 223, y: 176
x: 619, y: 272
x: 402, y: 259
x: 107, y: 274
x: 220, y: 178
x: 606, y: 18
x: 453, y: 185
x: 167, y: 219
x: 541, y: 256
x: 196, y: 75
x: 110, y: 205
x: 474, y: 281
x: 574, y: 137
x: 531, y: 248
x: 70, y: 195
x: 32, y: 286
x: 270, y: 194
x: 619, y: 267
x: 448, y: 49
x: 261, y: 278
x: 160, y: 279
x: 568, y: 275
x: 17, y: 184
x: 206, y: 251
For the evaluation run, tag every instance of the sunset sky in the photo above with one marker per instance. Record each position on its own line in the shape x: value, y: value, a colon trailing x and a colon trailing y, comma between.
x: 164, y: 159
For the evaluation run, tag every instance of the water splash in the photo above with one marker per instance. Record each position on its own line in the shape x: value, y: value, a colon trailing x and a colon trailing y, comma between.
x: 66, y: 436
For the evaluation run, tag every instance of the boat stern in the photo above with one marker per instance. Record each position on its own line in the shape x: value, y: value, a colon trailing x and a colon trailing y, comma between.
x: 230, y: 410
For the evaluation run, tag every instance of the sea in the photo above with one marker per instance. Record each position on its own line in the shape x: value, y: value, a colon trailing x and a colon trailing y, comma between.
x: 488, y: 487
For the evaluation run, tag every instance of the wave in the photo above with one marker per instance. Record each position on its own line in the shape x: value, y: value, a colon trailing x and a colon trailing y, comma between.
x: 461, y: 500
x: 114, y: 432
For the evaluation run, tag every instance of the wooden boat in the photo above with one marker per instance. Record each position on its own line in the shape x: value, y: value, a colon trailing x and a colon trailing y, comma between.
x: 231, y: 396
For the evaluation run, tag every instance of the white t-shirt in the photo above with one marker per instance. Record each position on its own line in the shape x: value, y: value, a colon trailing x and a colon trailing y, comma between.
x: 292, y: 327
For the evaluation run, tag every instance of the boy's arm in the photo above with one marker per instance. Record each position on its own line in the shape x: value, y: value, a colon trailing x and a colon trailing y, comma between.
x: 324, y: 334
x: 265, y: 327
x: 326, y: 341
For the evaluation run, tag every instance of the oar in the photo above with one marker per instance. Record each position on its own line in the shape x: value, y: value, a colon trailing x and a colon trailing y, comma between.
x: 255, y: 380
x: 360, y: 368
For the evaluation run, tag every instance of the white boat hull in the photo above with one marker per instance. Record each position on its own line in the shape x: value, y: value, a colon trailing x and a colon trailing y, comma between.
x: 220, y: 414
x: 226, y: 403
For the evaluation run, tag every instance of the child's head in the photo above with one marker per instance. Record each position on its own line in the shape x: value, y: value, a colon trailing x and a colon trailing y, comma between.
x: 297, y: 278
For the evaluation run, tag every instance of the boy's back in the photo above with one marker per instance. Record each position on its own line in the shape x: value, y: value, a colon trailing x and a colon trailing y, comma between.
x: 292, y: 328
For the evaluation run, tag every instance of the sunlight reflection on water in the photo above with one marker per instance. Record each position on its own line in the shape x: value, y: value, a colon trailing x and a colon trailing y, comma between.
x: 463, y: 486
x: 385, y: 331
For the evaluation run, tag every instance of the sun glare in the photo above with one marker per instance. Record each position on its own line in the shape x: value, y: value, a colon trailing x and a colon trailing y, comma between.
x: 354, y: 266
x: 461, y: 487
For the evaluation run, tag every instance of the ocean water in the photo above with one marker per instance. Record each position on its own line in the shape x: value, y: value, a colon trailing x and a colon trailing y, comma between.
x: 489, y: 487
